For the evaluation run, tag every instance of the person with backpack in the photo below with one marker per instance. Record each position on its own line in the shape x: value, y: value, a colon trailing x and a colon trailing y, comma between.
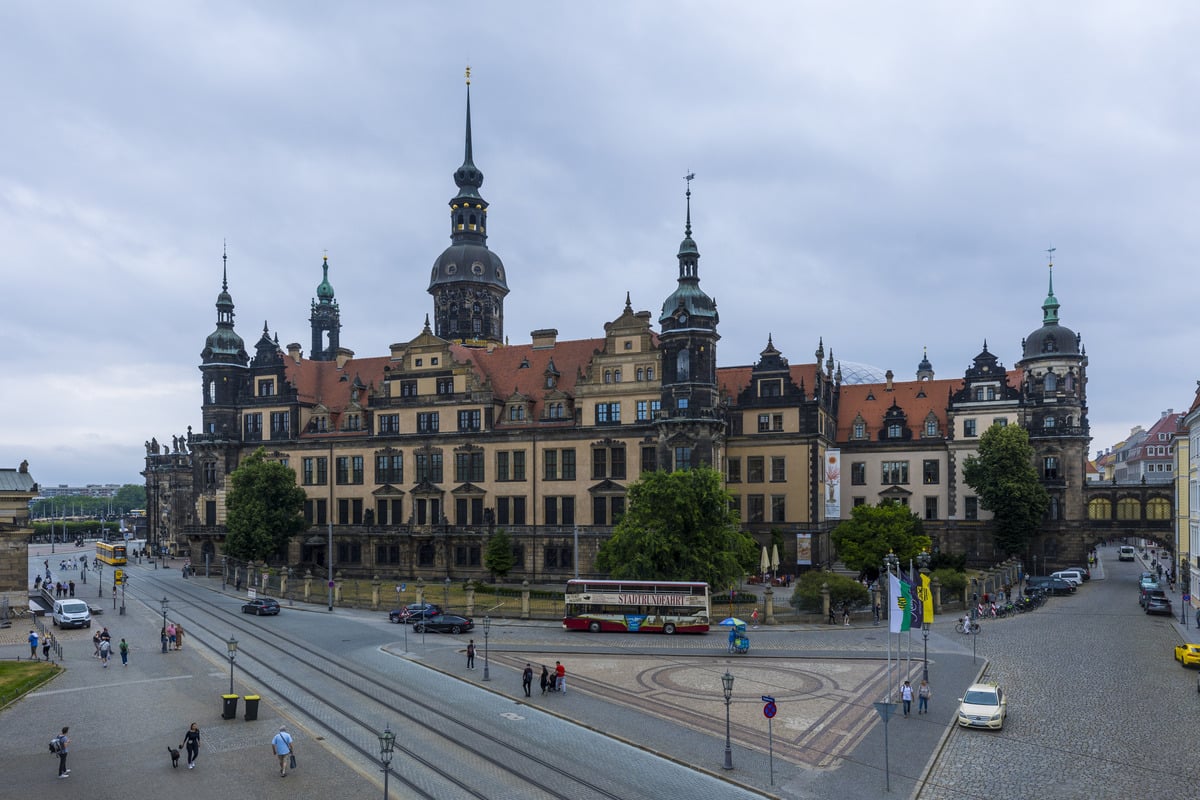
x: 58, y: 746
x: 124, y: 650
x: 105, y: 649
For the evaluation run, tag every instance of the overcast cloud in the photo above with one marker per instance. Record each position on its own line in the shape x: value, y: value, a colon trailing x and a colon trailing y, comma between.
x: 885, y: 176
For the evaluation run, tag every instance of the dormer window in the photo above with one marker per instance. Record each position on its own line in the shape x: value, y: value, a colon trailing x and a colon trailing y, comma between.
x: 860, y: 430
x: 894, y: 431
x: 549, y: 381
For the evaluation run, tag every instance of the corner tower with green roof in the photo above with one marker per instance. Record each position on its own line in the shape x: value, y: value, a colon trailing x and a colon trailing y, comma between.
x: 325, y: 319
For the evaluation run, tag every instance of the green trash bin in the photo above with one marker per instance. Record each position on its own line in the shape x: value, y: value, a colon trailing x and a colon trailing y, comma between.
x: 252, y: 707
x: 229, y: 706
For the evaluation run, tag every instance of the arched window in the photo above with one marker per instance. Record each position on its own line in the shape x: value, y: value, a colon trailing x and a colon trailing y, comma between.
x: 641, y: 374
x: 1053, y: 512
x: 1158, y: 508
x: 649, y: 373
x: 1050, y: 382
x: 616, y: 376
x: 1099, y: 508
x: 607, y: 376
x: 682, y: 365
x: 1129, y: 508
x: 1069, y: 382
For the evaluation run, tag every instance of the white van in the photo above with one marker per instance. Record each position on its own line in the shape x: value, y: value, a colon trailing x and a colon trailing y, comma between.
x: 1126, y: 553
x: 71, y: 613
x: 1072, y: 575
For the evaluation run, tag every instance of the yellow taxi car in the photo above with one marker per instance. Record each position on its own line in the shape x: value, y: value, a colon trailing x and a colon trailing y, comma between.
x: 1188, y: 654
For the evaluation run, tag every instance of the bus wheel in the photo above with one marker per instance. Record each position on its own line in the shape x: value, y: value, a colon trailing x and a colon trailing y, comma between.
x: 669, y: 628
x: 594, y: 627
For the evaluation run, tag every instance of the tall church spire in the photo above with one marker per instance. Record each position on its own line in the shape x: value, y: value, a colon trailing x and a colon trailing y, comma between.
x: 1050, y: 306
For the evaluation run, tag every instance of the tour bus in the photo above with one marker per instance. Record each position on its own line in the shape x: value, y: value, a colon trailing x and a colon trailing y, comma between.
x: 637, y: 606
x: 111, y: 553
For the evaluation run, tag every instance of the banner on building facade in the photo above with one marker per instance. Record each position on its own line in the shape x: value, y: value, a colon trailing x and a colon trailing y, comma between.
x: 804, y: 550
x: 833, y: 484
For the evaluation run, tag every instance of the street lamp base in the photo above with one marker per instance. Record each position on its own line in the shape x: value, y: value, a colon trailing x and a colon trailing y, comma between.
x: 728, y: 758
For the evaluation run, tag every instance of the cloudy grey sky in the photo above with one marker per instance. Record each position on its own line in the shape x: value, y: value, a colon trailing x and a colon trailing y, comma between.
x: 886, y: 176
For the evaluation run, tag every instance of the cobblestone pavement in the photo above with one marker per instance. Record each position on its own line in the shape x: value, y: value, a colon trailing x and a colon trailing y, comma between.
x: 1097, y: 707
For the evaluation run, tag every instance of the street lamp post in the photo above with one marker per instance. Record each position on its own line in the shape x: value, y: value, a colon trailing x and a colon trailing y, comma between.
x: 487, y: 627
x: 163, y: 635
x: 1185, y: 588
x: 727, y: 685
x: 387, y: 741
x: 100, y: 577
x: 231, y: 646
x: 446, y: 594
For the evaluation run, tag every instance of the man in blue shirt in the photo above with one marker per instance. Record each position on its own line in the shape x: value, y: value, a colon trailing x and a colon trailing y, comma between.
x: 281, y: 746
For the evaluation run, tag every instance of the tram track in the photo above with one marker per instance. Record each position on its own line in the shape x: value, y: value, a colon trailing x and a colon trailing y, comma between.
x: 471, y: 761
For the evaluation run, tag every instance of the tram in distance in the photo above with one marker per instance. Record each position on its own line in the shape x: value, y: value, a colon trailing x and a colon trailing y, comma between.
x: 111, y: 553
x: 637, y: 606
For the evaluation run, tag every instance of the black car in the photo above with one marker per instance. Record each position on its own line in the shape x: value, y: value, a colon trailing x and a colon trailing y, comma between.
x: 443, y: 623
x: 261, y: 606
x: 413, y: 612
x: 1147, y: 595
x: 1052, y: 585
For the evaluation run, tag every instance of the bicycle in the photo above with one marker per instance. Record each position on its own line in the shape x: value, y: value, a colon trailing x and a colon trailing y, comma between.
x: 959, y: 628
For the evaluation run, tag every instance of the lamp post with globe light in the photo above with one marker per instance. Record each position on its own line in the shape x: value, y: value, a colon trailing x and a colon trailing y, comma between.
x: 923, y: 560
x: 727, y: 686
x: 387, y: 741
x: 231, y: 645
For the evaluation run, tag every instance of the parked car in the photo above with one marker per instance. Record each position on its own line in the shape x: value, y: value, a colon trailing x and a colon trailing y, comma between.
x: 1144, y: 597
x: 261, y: 606
x: 1072, y: 575
x: 414, y: 611
x: 983, y: 706
x: 1086, y: 572
x: 1158, y: 605
x: 1051, y: 585
x: 443, y: 623
x: 1188, y: 654
x: 1126, y: 553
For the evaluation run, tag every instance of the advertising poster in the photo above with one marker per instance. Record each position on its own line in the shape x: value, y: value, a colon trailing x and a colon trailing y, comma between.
x: 804, y: 549
x: 833, y: 484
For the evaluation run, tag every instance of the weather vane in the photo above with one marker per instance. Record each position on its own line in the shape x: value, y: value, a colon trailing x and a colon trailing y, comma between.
x: 1050, y: 251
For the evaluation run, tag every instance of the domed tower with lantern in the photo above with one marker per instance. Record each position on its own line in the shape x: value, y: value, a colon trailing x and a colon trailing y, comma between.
x: 223, y: 364
x: 325, y: 320
x: 1054, y: 410
x: 468, y: 281
x: 691, y: 431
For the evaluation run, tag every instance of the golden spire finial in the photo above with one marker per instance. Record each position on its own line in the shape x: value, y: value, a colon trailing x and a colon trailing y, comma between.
x: 468, y: 76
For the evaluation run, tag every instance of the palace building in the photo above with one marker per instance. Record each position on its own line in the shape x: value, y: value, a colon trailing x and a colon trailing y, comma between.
x: 417, y: 454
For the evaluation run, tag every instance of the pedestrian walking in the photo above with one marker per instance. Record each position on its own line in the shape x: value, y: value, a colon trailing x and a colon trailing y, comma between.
x: 191, y: 739
x: 33, y: 643
x: 471, y: 654
x: 281, y: 746
x: 832, y: 621
x: 560, y: 677
x: 923, y: 695
x: 754, y: 618
x: 96, y: 644
x: 47, y: 640
x: 546, y: 673
x: 178, y: 636
x: 875, y: 610
x: 124, y: 650
x: 846, y: 614
x: 906, y: 694
x: 71, y: 586
x: 63, y: 740
x: 171, y: 635
x: 105, y: 650
x: 527, y: 679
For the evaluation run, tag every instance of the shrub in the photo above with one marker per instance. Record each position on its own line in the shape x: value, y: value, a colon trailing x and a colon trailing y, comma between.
x: 953, y: 582
x: 806, y: 596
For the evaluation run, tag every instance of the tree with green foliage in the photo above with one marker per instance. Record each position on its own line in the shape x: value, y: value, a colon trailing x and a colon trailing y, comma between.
x: 1007, y: 483
x: 678, y: 526
x: 874, y: 531
x: 265, y: 508
x: 806, y: 594
x: 498, y: 558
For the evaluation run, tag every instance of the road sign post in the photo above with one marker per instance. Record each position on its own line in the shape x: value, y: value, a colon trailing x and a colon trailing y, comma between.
x: 769, y: 711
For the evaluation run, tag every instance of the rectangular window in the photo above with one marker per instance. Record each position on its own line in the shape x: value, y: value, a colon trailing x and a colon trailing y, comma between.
x: 321, y: 510
x: 342, y: 470
x: 468, y: 467
x: 389, y: 423
x: 655, y: 407
x: 683, y: 458
x: 599, y: 463
x: 210, y: 473
x: 568, y: 465
x: 518, y: 465
x: 971, y: 507
x: 281, y: 424
x: 616, y: 467
x: 968, y: 427
x: 502, y: 465
x: 608, y: 413
x: 1050, y: 468
x: 764, y: 423
x: 778, y: 508
x: 445, y: 385
x: 754, y: 469
x: 349, y: 553
x: 353, y: 422
x: 735, y: 505
x: 642, y: 413
x: 649, y: 459
x: 733, y: 470
x: 429, y: 467
x: 322, y: 471
x: 253, y: 423
x: 894, y: 472
x: 777, y: 422
x: 307, y: 471
x: 931, y: 508
x: 858, y: 473
x: 599, y: 511
x: 1001, y: 421
x: 408, y: 388
x: 389, y: 468
x: 266, y: 388
x: 778, y: 469
x: 387, y: 554
x: 469, y: 420
x: 550, y: 465
x: 930, y: 472
x: 859, y: 501
x: 427, y: 422
x: 754, y: 507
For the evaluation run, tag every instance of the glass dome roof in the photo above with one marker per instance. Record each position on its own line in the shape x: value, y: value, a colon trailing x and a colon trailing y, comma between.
x: 856, y: 373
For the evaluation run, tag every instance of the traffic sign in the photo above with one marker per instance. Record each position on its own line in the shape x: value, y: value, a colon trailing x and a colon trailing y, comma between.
x: 119, y: 575
x: 769, y: 710
x: 1187, y: 598
x: 766, y: 698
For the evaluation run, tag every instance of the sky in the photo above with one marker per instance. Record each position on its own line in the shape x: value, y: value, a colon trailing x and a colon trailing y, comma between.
x: 883, y: 177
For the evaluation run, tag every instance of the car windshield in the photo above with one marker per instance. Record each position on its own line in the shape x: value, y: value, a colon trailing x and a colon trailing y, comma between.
x: 74, y: 608
x: 978, y: 698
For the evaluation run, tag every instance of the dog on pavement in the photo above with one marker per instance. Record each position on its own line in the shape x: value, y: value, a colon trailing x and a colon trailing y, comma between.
x: 174, y: 756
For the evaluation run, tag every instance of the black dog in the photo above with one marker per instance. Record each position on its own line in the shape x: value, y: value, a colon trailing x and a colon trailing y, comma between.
x: 174, y: 756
